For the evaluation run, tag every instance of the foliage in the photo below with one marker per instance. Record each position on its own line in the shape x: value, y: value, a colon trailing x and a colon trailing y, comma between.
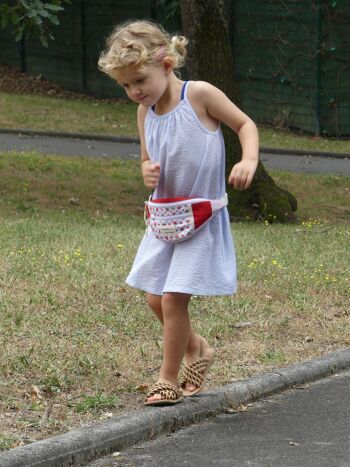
x: 171, y: 8
x: 31, y: 18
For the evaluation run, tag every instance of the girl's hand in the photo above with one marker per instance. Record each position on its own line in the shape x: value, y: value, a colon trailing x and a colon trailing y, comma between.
x: 242, y: 174
x: 150, y: 173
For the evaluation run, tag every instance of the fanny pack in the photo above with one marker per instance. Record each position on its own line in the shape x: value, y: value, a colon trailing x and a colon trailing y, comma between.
x: 178, y: 219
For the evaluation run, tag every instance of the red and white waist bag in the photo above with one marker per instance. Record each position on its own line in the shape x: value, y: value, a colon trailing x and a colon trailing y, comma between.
x: 178, y: 219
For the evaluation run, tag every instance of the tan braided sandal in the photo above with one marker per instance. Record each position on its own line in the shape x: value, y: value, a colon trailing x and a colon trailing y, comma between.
x: 171, y: 394
x: 195, y: 374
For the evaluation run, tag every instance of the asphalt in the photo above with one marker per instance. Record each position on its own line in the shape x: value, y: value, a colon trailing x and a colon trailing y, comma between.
x: 290, y: 430
x: 128, y: 148
x: 308, y: 426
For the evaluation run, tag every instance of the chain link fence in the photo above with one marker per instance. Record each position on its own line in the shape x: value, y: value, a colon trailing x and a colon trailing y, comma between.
x: 292, y: 60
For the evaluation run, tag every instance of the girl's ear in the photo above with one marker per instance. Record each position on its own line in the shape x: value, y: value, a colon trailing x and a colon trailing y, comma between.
x: 168, y: 65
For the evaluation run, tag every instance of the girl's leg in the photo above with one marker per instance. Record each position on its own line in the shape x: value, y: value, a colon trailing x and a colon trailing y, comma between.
x: 155, y: 303
x: 197, y: 346
x: 176, y: 332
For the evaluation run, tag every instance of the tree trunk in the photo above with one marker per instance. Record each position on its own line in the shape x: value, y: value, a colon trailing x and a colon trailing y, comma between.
x: 210, y: 59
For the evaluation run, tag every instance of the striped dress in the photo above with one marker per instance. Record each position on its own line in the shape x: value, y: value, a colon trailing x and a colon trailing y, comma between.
x: 192, y: 162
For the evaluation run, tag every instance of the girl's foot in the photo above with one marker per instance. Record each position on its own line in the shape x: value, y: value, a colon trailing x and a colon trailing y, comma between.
x: 164, y: 392
x: 198, y: 360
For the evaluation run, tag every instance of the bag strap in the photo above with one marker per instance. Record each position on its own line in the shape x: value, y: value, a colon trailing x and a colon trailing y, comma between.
x: 217, y: 204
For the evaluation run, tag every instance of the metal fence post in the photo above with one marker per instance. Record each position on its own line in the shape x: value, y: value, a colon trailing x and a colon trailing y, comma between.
x: 83, y: 44
x: 318, y: 126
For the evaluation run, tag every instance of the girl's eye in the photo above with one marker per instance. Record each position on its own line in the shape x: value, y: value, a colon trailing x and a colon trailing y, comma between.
x: 141, y: 80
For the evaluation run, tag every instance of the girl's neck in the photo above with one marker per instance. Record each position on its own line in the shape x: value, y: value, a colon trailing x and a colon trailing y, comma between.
x: 171, y: 96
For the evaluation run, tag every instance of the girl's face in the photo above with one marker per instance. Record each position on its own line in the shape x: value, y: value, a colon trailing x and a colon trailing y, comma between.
x: 144, y: 85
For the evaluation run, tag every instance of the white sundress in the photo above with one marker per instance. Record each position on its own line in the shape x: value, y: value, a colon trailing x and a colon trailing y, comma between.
x: 192, y: 163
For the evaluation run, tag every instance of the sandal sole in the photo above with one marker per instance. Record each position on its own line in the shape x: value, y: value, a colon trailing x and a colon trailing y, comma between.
x: 164, y: 402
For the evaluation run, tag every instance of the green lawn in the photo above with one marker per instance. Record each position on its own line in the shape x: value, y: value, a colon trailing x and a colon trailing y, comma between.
x: 119, y: 118
x: 79, y: 345
x: 69, y: 115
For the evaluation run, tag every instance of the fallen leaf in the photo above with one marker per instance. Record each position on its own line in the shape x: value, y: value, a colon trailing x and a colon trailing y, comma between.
x: 242, y: 325
x: 142, y: 387
x: 47, y: 414
x: 73, y: 201
x: 35, y: 392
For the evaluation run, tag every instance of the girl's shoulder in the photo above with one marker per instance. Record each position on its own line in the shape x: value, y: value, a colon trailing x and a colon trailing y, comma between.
x: 201, y: 96
x: 199, y: 87
x: 142, y: 111
x: 201, y: 91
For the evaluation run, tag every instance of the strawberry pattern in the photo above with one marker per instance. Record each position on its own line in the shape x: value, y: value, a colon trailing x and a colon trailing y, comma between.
x: 167, y: 211
x: 172, y: 230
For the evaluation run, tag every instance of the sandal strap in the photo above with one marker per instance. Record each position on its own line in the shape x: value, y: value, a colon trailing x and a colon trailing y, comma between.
x: 166, y: 390
x: 194, y: 373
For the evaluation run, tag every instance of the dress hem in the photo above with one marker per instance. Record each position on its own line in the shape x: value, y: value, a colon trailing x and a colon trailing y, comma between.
x: 185, y: 290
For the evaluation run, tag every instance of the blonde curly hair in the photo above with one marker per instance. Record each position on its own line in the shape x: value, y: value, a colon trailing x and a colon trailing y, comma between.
x: 141, y: 43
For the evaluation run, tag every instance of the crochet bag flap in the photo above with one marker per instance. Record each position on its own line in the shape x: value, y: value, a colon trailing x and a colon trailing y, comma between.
x: 178, y: 219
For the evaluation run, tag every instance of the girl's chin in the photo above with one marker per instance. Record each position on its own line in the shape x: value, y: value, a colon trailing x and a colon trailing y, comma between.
x: 145, y: 101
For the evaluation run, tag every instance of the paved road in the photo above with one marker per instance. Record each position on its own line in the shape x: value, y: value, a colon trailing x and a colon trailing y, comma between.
x: 68, y: 146
x: 307, y: 164
x: 308, y: 427
x: 94, y: 148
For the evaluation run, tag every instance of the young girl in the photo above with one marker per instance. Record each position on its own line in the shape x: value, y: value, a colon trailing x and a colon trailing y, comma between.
x: 182, y: 155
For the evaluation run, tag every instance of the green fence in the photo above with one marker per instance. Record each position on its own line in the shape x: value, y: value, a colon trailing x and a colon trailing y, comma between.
x: 292, y: 58
x: 293, y: 62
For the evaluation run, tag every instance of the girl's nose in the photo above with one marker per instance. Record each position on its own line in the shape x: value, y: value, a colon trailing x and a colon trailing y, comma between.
x: 136, y: 92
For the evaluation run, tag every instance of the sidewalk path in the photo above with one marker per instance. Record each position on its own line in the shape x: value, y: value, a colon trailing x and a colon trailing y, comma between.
x: 68, y: 146
x: 328, y: 412
x: 306, y: 427
x: 130, y: 150
x: 306, y: 164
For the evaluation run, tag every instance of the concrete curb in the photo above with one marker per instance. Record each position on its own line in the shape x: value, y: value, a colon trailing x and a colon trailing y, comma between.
x: 297, y: 152
x: 97, y: 440
x: 61, y: 134
x: 131, y: 139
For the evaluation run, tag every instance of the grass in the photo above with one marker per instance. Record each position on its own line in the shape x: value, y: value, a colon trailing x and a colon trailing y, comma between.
x: 67, y: 115
x: 78, y: 345
x: 119, y: 118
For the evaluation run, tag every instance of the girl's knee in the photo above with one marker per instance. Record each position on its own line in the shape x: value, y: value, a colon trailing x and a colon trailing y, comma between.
x: 175, y: 301
x: 154, y: 301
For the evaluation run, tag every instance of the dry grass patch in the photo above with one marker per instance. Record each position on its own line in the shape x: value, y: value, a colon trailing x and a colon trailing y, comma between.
x: 78, y: 345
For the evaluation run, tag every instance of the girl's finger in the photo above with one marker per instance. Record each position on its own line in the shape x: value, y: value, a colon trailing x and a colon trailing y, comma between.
x: 239, y: 181
x: 248, y: 182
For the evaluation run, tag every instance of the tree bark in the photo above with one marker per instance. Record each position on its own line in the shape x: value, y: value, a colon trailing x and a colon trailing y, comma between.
x: 210, y: 58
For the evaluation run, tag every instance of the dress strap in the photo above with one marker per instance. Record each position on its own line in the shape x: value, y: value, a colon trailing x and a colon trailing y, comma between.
x: 183, y: 94
x: 183, y: 91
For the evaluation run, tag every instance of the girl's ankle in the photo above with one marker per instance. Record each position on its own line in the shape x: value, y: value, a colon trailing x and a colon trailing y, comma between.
x: 163, y: 379
x: 194, y: 345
